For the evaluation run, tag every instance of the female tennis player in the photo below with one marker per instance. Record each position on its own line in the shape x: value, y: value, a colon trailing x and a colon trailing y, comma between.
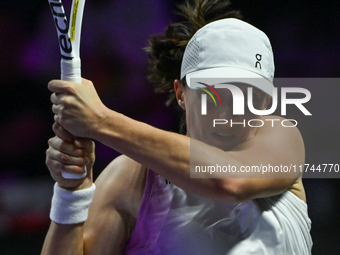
x: 145, y: 202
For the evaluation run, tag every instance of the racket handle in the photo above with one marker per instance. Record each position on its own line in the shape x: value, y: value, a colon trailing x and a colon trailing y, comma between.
x: 71, y: 71
x: 74, y: 176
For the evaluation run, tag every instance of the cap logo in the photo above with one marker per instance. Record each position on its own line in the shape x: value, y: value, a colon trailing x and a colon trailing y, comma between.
x: 257, y: 63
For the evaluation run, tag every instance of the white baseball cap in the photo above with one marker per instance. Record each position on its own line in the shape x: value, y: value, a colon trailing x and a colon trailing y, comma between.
x: 232, y: 49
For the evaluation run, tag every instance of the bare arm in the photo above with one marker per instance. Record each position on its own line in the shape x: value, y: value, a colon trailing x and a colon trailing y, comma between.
x: 112, y: 215
x: 64, y: 239
x: 113, y: 211
x: 169, y: 154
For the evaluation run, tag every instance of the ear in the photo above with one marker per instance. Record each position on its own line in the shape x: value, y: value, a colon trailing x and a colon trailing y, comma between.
x: 269, y: 98
x: 179, y: 90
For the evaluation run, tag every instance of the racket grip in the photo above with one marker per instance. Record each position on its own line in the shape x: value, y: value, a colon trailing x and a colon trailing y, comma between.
x: 71, y: 71
x: 74, y: 176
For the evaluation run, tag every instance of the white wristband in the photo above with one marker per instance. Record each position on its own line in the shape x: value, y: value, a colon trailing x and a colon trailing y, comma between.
x: 71, y: 207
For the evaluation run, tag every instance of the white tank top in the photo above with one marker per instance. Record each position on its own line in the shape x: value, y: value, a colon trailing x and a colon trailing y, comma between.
x: 172, y: 221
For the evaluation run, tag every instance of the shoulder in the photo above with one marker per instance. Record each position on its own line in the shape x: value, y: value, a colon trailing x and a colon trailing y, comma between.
x: 121, y: 184
x: 274, y: 146
x: 279, y: 125
x: 282, y: 135
x: 275, y: 142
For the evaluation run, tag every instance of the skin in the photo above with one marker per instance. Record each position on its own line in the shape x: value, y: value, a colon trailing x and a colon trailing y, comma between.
x: 120, y: 186
x: 205, y: 132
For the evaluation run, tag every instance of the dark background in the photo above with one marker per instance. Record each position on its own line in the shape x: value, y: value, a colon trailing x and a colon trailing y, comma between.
x: 306, y: 43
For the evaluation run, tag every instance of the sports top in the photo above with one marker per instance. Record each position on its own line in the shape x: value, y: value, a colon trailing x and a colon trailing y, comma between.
x: 172, y: 221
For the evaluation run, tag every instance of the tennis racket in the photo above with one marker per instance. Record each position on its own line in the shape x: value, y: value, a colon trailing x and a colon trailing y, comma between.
x: 69, y: 42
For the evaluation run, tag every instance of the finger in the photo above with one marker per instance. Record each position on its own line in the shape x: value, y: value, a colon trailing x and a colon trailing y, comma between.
x: 56, y: 108
x: 55, y: 99
x: 59, y: 86
x: 62, y: 133
x: 88, y: 145
x: 56, y: 168
x: 85, y: 143
x: 66, y: 159
x: 66, y: 147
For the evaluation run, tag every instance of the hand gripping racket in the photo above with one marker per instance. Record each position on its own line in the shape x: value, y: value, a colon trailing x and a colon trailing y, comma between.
x: 69, y: 41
